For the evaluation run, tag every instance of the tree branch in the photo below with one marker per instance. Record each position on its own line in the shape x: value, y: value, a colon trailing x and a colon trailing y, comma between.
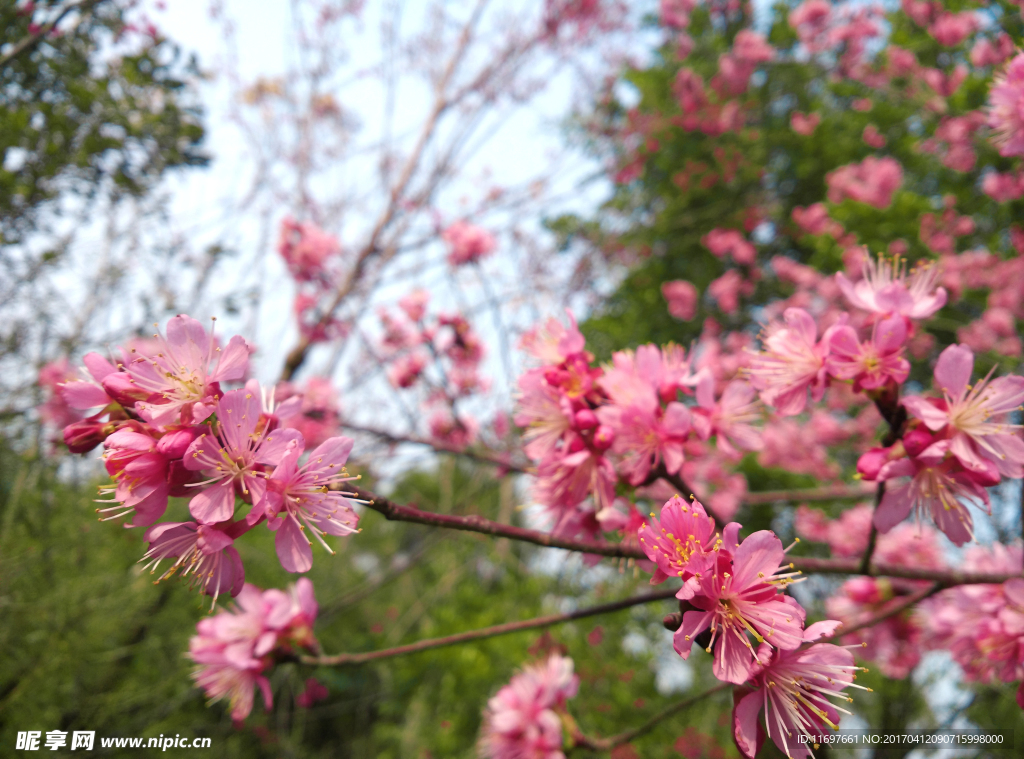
x: 29, y: 42
x: 807, y: 564
x: 606, y: 744
x: 488, y: 632
x: 895, y: 606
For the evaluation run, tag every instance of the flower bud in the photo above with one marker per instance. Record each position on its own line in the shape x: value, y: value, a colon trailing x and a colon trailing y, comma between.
x: 82, y: 437
x: 871, y: 463
x: 916, y: 440
x: 585, y: 419
x: 121, y: 387
x: 604, y: 437
x: 174, y: 444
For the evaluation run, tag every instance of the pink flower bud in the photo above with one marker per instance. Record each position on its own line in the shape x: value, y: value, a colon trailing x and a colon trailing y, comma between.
x: 121, y: 387
x: 174, y: 444
x: 915, y: 441
x: 82, y: 437
x: 585, y: 419
x: 604, y: 437
x: 871, y: 463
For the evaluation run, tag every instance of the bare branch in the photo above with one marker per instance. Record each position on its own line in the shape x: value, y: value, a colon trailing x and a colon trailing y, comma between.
x: 488, y: 632
x: 807, y: 564
x: 29, y: 42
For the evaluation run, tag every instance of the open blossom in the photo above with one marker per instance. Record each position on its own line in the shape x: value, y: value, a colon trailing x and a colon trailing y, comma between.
x: 552, y: 342
x: 234, y: 648
x: 300, y: 498
x: 683, y: 543
x: 886, y: 288
x: 795, y: 690
x: 872, y: 181
x: 178, y: 374
x: 232, y: 456
x: 975, y: 418
x: 467, y: 243
x: 205, y: 554
x: 870, y: 364
x: 682, y: 297
x: 522, y: 720
x: 792, y: 362
x: 737, y: 595
x: 936, y: 485
x: 565, y: 479
x: 1005, y: 112
x: 305, y: 249
x: 645, y: 435
x: 724, y: 242
x: 729, y: 418
x: 140, y: 473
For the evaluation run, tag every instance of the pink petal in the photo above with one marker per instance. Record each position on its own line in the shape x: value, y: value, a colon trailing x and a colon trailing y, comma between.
x: 693, y: 623
x: 934, y: 418
x: 822, y: 629
x: 746, y: 728
x: 733, y: 660
x: 98, y: 366
x: 334, y: 450
x: 894, y: 508
x: 802, y: 323
x: 215, y: 504
x: 890, y: 334
x: 234, y: 361
x: 293, y: 549
x: 83, y: 395
x: 760, y: 552
x: 278, y: 443
x: 953, y: 369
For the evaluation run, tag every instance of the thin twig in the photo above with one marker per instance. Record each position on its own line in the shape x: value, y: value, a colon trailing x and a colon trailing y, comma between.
x: 29, y: 42
x: 488, y: 632
x: 895, y: 607
x: 606, y: 744
x: 807, y: 564
x: 869, y: 552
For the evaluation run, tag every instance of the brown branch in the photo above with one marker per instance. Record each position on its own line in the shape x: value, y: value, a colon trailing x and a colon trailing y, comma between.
x: 29, y: 42
x: 606, y: 744
x: 488, y: 632
x: 807, y: 564
x: 869, y: 552
x: 895, y: 606
x: 298, y: 354
x: 481, y: 456
x: 828, y: 493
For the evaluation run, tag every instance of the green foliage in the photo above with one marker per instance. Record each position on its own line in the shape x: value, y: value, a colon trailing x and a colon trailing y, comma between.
x: 93, y: 645
x: 99, y: 106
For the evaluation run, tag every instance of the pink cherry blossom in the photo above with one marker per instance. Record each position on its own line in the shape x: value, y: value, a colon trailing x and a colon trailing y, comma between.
x: 140, y: 474
x: 305, y: 249
x: 729, y: 418
x: 179, y: 374
x: 739, y: 594
x: 950, y: 29
x: 975, y: 418
x: 522, y: 719
x: 682, y: 297
x: 815, y: 221
x: 467, y: 243
x: 683, y: 543
x: 724, y: 242
x: 872, y: 181
x: 300, y: 498
x: 886, y: 288
x: 205, y: 554
x: 870, y: 364
x: 83, y: 394
x: 792, y: 362
x: 795, y: 690
x: 234, y: 649
x: 935, y: 485
x: 804, y: 123
x: 232, y: 455
x: 1005, y: 108
x: 552, y: 342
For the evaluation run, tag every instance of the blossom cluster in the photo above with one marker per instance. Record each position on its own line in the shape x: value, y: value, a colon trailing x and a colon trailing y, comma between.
x: 234, y: 649
x: 524, y: 718
x: 440, y: 354
x: 169, y: 428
